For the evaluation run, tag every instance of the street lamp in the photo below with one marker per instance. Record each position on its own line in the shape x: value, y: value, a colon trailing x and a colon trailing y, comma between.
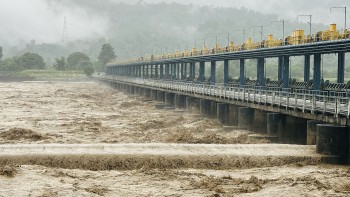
x: 261, y: 32
x: 243, y: 31
x: 340, y: 8
x: 281, y: 21
x: 210, y: 36
x: 310, y: 17
x: 228, y: 37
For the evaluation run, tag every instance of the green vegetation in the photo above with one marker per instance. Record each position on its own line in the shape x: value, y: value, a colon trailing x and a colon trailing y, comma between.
x: 107, y: 54
x: 60, y: 64
x: 28, y: 61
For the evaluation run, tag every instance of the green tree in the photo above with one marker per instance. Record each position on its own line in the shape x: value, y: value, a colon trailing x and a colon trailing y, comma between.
x: 107, y: 54
x: 10, y: 64
x: 89, y: 70
x: 31, y: 61
x: 78, y: 61
x: 60, y: 63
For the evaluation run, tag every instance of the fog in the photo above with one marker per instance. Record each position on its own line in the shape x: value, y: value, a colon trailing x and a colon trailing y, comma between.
x: 43, y: 19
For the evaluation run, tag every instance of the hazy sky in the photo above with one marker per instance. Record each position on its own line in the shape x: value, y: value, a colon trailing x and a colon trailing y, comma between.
x: 43, y: 19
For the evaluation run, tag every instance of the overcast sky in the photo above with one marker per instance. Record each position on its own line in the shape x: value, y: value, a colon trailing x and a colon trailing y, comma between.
x: 37, y: 19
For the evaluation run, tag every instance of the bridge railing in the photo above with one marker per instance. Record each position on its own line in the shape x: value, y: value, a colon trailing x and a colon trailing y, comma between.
x: 335, y: 103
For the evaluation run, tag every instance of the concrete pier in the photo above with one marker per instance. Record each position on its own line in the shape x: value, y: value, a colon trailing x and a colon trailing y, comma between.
x: 213, y: 109
x: 169, y: 99
x: 222, y: 112
x: 273, y: 122
x: 232, y: 118
x: 160, y: 96
x: 260, y: 121
x: 333, y: 140
x: 190, y: 103
x: 245, y: 117
x: 147, y: 93
x: 153, y: 95
x: 311, y: 132
x: 292, y: 130
x: 205, y: 107
x: 180, y: 101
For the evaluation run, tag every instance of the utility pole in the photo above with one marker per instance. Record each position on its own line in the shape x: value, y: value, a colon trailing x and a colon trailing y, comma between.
x: 310, y: 18
x: 261, y: 32
x: 243, y: 31
x: 344, y: 11
x: 64, y: 38
x: 281, y: 21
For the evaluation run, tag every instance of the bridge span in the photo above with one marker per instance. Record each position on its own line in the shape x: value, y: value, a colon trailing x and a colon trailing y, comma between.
x: 313, y: 112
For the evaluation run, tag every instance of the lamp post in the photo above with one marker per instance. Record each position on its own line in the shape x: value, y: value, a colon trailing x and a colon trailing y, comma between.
x: 243, y: 31
x: 210, y: 36
x: 227, y: 36
x: 261, y: 32
x: 344, y: 12
x: 310, y: 18
x: 280, y: 21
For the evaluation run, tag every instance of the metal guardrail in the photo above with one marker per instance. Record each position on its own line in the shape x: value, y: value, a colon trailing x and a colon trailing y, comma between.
x: 333, y: 103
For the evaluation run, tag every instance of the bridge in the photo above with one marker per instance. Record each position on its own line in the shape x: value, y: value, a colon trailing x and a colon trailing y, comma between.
x: 311, y: 112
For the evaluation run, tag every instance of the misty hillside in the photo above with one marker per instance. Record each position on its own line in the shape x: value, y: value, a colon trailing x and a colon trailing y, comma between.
x: 135, y: 30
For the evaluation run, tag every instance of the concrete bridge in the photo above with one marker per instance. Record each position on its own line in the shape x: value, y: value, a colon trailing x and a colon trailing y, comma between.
x: 311, y: 112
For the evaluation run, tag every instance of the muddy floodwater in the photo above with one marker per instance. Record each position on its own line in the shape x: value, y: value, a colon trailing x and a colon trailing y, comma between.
x: 37, y: 116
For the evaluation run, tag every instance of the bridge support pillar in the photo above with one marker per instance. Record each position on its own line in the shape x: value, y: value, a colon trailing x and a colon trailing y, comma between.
x: 182, y: 69
x: 245, y: 117
x: 201, y: 71
x: 138, y: 91
x: 333, y: 140
x: 147, y: 93
x: 167, y: 71
x: 341, y: 65
x: 307, y: 68
x: 293, y: 130
x: 260, y: 121
x: 205, y: 107
x: 213, y: 109
x: 193, y: 65
x: 160, y: 96
x: 311, y: 131
x: 191, y: 104
x: 274, y: 121
x: 132, y: 89
x: 226, y: 72
x: 174, y: 71
x: 285, y: 72
x: 154, y: 95
x: 232, y: 115
x: 261, y: 71
x: 169, y: 99
x: 222, y: 112
x: 180, y: 101
x: 212, y: 72
x: 241, y: 73
x: 317, y: 72
x: 161, y: 72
